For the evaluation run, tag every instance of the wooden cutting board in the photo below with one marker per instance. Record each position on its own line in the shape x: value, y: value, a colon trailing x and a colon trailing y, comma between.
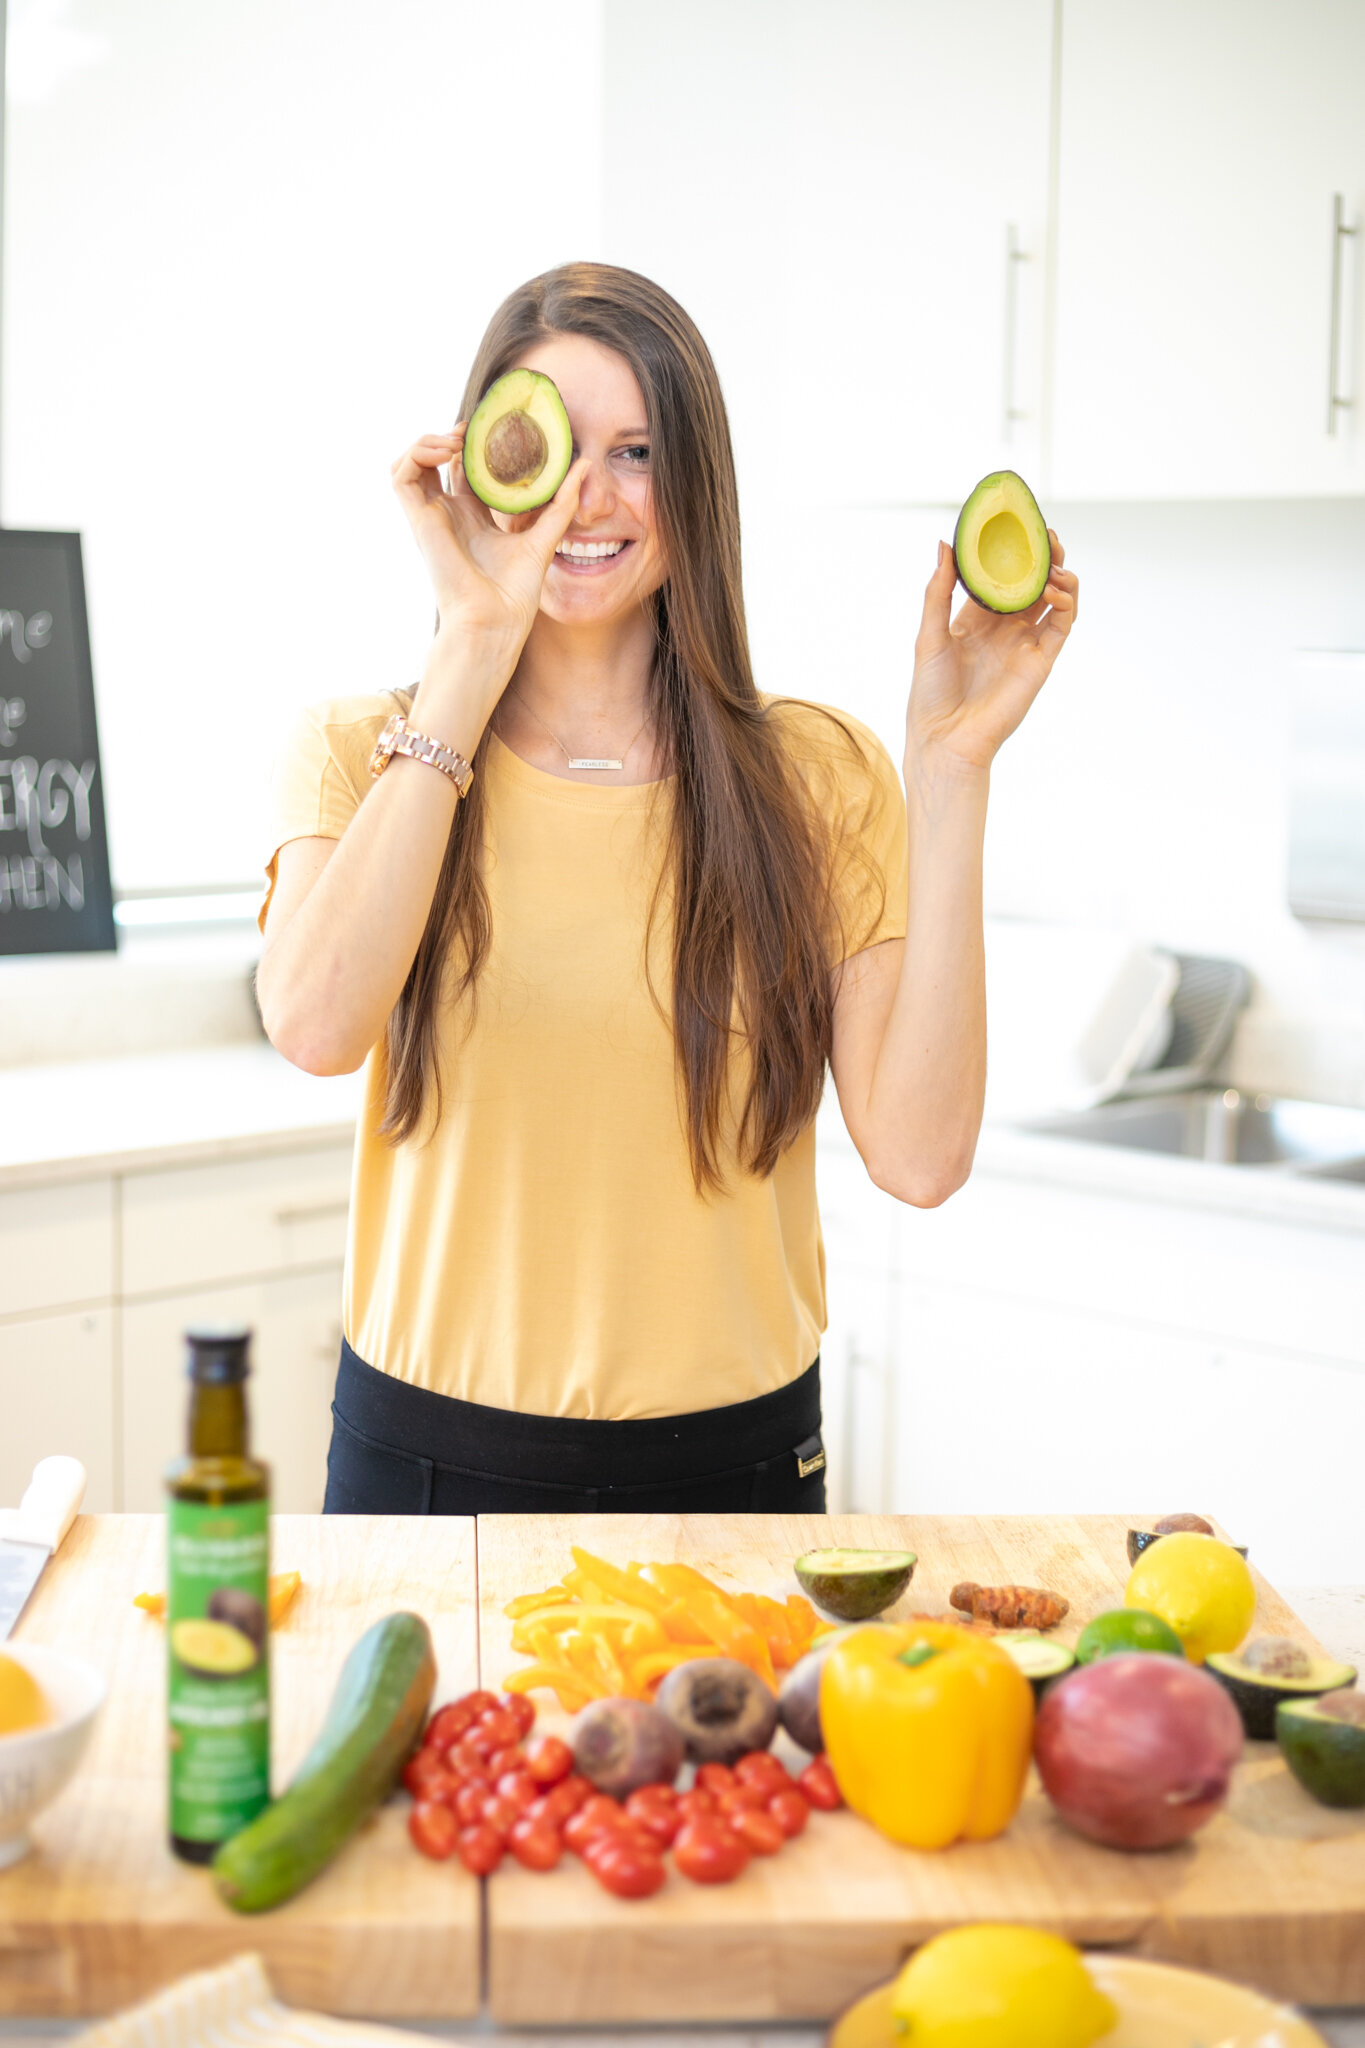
x: 101, y: 1913
x: 1271, y: 1892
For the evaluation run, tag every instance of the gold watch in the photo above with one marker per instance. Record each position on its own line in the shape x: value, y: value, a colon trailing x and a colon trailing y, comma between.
x: 398, y: 738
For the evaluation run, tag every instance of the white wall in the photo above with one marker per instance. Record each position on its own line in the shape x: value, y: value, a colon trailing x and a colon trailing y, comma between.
x: 249, y: 251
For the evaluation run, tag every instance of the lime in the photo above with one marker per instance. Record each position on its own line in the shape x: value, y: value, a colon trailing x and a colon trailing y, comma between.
x: 1198, y: 1584
x: 1000, y: 1987
x: 1126, y: 1628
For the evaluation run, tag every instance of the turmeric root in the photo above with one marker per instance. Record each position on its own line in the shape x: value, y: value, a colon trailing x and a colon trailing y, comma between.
x: 1009, y: 1606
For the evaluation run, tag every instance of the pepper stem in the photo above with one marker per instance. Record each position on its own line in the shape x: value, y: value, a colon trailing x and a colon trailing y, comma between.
x: 918, y: 1653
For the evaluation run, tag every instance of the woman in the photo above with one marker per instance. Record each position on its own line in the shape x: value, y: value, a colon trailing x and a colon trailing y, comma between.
x: 597, y: 983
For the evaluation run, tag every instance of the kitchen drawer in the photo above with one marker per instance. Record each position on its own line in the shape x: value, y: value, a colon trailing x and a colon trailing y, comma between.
x: 57, y: 1394
x: 56, y: 1246
x: 191, y: 1225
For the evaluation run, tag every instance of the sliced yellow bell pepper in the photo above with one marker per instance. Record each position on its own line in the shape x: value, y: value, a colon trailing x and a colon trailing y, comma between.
x: 716, y: 1616
x: 629, y: 1588
x: 572, y: 1693
x: 530, y: 1603
x: 928, y: 1731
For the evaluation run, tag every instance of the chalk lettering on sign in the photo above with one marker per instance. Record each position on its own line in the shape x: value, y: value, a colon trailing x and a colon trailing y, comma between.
x: 33, y: 799
x: 44, y: 883
x: 13, y: 712
x: 25, y: 635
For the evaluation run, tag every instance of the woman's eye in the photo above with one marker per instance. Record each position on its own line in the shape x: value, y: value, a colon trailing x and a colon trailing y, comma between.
x: 638, y: 454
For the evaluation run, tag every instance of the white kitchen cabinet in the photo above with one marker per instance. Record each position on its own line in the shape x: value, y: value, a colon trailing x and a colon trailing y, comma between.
x: 57, y: 1393
x: 296, y: 1320
x: 1201, y: 148
x: 187, y: 1226
x: 918, y: 197
x: 56, y: 1245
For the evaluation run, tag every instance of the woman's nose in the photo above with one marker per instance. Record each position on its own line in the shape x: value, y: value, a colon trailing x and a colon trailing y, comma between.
x: 596, y: 497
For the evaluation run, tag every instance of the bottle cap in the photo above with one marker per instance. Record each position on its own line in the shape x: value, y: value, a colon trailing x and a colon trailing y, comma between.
x: 218, y: 1356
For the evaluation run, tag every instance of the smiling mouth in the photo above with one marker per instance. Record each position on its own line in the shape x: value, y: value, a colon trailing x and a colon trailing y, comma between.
x: 591, y: 558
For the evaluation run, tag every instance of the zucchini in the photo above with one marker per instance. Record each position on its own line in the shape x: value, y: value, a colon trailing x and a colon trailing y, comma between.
x: 372, y: 1727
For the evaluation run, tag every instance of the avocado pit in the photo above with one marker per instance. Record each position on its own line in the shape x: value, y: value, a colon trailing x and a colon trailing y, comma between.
x: 515, y: 451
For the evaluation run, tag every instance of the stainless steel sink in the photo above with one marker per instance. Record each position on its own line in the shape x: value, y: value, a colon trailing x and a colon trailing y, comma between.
x: 1227, y: 1127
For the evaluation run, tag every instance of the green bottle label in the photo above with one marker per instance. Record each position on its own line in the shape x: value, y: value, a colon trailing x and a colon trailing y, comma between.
x: 218, y: 1663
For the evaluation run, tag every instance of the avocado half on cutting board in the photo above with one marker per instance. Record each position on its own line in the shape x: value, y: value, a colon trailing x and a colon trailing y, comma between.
x: 855, y: 1585
x: 1323, y: 1743
x: 1270, y: 1670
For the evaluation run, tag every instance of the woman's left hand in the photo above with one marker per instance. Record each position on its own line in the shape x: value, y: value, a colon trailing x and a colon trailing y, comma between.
x: 977, y: 674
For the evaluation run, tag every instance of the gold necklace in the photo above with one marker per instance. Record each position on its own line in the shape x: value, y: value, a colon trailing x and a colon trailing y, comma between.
x: 576, y: 761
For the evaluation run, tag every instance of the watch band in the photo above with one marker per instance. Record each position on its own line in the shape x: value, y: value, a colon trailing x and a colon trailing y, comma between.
x: 398, y: 738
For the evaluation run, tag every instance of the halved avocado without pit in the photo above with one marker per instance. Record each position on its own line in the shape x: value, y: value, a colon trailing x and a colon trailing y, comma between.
x: 1271, y: 1669
x: 518, y: 444
x: 1001, y: 546
x: 1323, y: 1743
x: 1039, y: 1658
x: 855, y: 1584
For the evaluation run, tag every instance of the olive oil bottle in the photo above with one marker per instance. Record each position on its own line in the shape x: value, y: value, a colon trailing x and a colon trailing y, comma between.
x: 217, y: 1642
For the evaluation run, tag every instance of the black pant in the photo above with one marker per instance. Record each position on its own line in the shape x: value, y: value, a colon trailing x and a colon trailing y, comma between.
x: 401, y: 1450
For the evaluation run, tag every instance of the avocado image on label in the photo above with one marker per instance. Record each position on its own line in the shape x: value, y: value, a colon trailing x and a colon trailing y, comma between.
x: 1001, y: 546
x: 240, y: 1610
x: 518, y: 445
x: 213, y: 1649
x: 1323, y: 1743
x: 855, y: 1584
x: 1271, y: 1669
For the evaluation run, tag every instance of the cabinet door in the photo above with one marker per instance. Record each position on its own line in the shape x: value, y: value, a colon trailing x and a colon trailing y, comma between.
x: 916, y: 220
x: 1201, y: 149
x: 57, y: 1394
x: 194, y: 1226
x: 858, y: 1349
x: 296, y: 1325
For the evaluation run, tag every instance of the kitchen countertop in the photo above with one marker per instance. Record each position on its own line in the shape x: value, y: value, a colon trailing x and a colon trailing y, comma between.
x: 84, y: 1118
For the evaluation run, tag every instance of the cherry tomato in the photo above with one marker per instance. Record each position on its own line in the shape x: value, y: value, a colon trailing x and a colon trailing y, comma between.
x: 760, y: 1767
x: 818, y: 1783
x: 512, y: 1758
x: 478, y: 1703
x: 562, y: 1801
x: 549, y: 1760
x: 763, y: 1833
x: 625, y: 1867
x: 500, y: 1815
x: 434, y: 1828
x: 522, y: 1710
x: 698, y: 1804
x: 716, y: 1778
x: 479, y: 1849
x: 467, y: 1762
x: 497, y: 1722
x: 742, y: 1799
x: 657, y: 1819
x: 594, y: 1817
x: 469, y: 1802
x: 790, y: 1809
x: 449, y: 1723
x: 518, y: 1786
x: 535, y: 1843
x: 709, y: 1852
x: 425, y: 1773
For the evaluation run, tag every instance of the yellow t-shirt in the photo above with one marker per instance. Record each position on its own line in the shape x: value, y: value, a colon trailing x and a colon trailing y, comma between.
x: 544, y: 1248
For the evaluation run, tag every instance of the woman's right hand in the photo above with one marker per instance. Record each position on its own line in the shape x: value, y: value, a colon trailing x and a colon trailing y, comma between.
x: 486, y: 581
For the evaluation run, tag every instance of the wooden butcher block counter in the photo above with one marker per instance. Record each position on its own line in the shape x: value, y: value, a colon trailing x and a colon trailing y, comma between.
x: 100, y: 1913
x: 1272, y: 1891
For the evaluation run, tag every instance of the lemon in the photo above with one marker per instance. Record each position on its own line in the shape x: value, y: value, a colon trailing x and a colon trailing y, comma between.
x: 1200, y: 1586
x: 22, y: 1703
x: 1000, y: 1987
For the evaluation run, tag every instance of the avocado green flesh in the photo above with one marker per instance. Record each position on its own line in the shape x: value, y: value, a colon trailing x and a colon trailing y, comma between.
x: 1040, y: 1661
x: 855, y: 1584
x: 518, y: 444
x: 1001, y: 546
x: 1326, y: 1756
x: 1257, y: 1694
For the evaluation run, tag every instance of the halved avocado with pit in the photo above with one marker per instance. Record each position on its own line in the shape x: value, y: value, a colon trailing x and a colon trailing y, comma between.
x: 1271, y: 1669
x: 1323, y: 1743
x: 855, y: 1584
x: 1001, y: 545
x: 519, y: 444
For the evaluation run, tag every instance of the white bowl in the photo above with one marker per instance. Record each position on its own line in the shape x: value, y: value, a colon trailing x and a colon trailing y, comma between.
x: 35, y: 1763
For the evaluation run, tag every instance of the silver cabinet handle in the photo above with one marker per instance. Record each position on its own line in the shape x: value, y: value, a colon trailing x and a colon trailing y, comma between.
x: 1014, y: 256
x: 1336, y: 403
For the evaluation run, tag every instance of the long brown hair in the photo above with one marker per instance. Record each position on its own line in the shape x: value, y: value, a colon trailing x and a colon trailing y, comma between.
x: 748, y: 859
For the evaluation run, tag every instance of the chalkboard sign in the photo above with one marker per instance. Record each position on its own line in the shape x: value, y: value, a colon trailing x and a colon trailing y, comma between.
x: 55, y: 895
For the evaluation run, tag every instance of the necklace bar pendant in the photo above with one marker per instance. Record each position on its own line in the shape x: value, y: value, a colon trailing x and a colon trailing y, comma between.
x: 595, y: 764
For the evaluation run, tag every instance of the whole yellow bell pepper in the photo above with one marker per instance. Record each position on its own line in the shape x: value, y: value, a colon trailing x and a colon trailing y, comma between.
x: 928, y: 1731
